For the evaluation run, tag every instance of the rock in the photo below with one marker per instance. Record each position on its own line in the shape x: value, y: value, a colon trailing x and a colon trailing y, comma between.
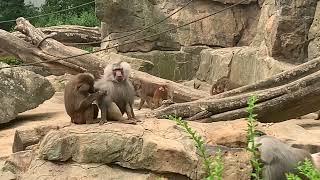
x: 283, y: 28
x: 7, y: 175
x: 19, y: 162
x: 27, y: 137
x: 92, y: 171
x: 21, y: 90
x: 314, y: 35
x: 59, y: 82
x: 39, y: 70
x: 157, y: 145
x: 195, y: 83
x: 243, y: 65
x: 225, y: 29
x: 310, y: 116
x: 298, y: 133
x: 137, y: 64
x: 172, y: 65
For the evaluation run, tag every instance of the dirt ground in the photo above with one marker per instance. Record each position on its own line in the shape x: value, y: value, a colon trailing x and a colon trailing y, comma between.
x: 50, y: 112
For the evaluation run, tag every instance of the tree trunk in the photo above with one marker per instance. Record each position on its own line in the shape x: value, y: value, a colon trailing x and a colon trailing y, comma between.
x: 287, y: 95
x: 50, y: 49
x: 68, y: 34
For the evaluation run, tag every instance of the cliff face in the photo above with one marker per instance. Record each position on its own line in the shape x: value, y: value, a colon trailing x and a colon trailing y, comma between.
x: 269, y: 36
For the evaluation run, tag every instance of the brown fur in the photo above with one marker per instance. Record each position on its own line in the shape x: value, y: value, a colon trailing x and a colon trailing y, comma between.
x: 279, y: 158
x: 160, y: 94
x: 79, y: 95
x: 120, y: 93
x: 151, y: 93
x: 223, y: 84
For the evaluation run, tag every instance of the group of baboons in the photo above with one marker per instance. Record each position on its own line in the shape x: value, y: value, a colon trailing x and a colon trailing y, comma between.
x: 114, y: 94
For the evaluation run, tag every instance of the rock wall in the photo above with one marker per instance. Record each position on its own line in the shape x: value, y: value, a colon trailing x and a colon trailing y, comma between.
x: 272, y: 36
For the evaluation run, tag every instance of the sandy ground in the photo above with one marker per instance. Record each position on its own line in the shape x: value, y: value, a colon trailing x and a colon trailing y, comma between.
x: 50, y: 112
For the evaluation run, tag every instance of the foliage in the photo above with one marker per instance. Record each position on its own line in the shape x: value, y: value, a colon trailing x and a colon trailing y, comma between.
x: 251, y: 134
x: 306, y: 168
x: 13, y: 9
x: 10, y: 60
x: 84, y: 16
x: 89, y: 49
x: 214, y: 167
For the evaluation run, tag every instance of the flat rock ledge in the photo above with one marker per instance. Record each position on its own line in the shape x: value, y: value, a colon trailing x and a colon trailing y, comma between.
x: 157, y: 146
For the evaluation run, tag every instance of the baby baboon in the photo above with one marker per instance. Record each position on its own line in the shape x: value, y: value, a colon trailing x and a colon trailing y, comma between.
x: 279, y: 158
x: 121, y: 92
x: 152, y: 93
x: 160, y: 94
x: 79, y: 95
x: 223, y: 84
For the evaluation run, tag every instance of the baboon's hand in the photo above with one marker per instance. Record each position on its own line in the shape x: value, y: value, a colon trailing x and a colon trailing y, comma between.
x: 101, y: 93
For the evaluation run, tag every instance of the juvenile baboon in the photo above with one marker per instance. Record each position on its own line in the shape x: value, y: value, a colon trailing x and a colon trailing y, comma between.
x: 115, y: 81
x: 150, y: 93
x: 160, y: 94
x: 223, y: 84
x: 279, y: 158
x: 79, y: 95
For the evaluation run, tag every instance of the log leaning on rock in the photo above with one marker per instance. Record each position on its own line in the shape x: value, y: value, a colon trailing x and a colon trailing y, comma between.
x: 27, y: 137
x: 288, y: 95
x: 51, y: 49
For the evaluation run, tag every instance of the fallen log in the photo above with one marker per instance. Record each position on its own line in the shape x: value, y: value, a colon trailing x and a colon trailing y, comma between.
x: 69, y: 34
x: 294, y: 93
x: 27, y: 137
x: 49, y: 49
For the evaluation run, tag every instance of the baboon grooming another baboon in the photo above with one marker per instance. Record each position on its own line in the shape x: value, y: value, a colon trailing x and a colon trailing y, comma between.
x: 79, y: 95
x: 120, y: 93
x: 279, y: 158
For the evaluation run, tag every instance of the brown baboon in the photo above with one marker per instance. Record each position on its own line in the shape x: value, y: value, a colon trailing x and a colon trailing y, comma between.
x: 279, y: 158
x: 120, y: 91
x: 160, y: 94
x: 223, y: 84
x: 79, y: 95
x: 147, y: 93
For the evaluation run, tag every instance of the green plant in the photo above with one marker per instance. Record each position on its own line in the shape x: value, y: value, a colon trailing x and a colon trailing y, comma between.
x: 306, y: 168
x: 214, y: 167
x: 251, y: 134
x: 89, y: 49
x: 10, y: 60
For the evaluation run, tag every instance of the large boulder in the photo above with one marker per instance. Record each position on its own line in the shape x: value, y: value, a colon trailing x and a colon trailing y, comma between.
x: 283, y: 28
x: 242, y: 65
x: 173, y: 65
x: 226, y: 29
x: 314, y: 35
x: 156, y: 145
x: 21, y: 90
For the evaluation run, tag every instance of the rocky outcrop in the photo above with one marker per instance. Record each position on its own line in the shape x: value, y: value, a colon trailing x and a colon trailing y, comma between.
x: 21, y: 90
x: 155, y: 145
x: 227, y: 29
x: 173, y: 65
x: 153, y: 149
x: 242, y: 65
x: 283, y: 29
x: 314, y: 35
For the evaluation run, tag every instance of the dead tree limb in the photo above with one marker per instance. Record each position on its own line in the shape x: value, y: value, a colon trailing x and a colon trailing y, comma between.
x: 294, y: 93
x: 67, y: 34
x: 51, y: 49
